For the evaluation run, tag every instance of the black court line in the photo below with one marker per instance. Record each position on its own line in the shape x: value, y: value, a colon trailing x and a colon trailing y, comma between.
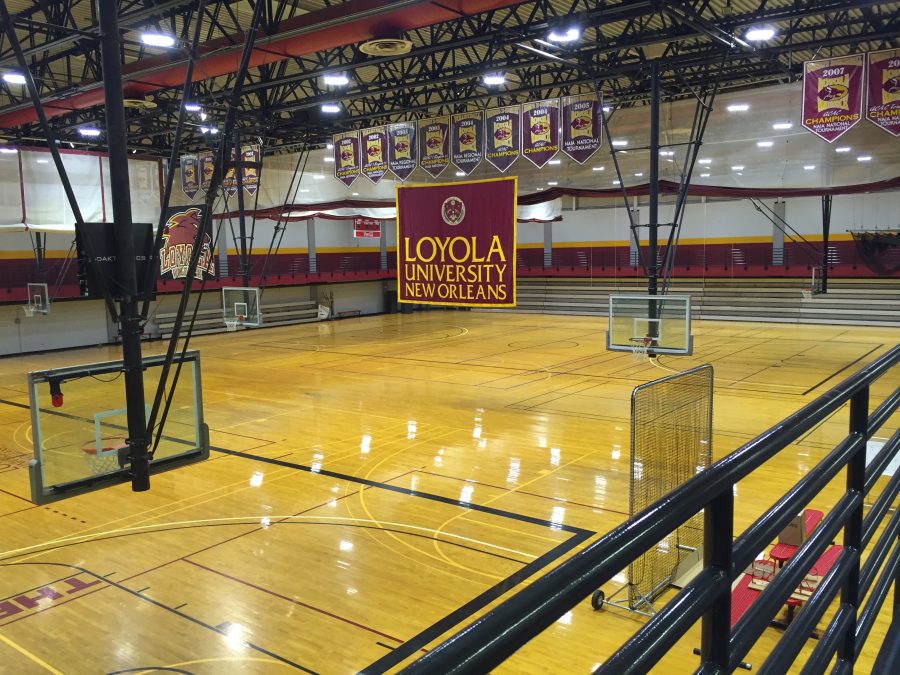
x: 193, y: 620
x: 409, y: 492
x: 477, y: 603
x: 838, y: 372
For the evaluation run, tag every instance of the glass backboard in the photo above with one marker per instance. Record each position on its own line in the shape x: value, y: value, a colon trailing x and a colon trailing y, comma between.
x: 661, y: 323
x: 241, y: 305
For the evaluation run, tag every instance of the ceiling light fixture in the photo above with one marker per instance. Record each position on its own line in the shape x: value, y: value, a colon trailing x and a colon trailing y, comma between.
x: 494, y: 79
x: 764, y: 144
x: 737, y: 167
x: 809, y: 167
x: 554, y: 161
x: 89, y: 132
x: 639, y: 174
x: 157, y: 40
x: 704, y: 175
x: 460, y: 174
x: 782, y: 125
x: 864, y: 158
x: 329, y: 146
x: 738, y: 107
x: 843, y: 148
x: 620, y: 142
x: 570, y: 35
x: 14, y: 78
x: 704, y: 161
x: 552, y: 182
x: 759, y: 33
x: 192, y: 107
x: 331, y: 108
x: 328, y: 159
x: 8, y: 151
x: 42, y: 161
x: 598, y: 168
x: 336, y: 80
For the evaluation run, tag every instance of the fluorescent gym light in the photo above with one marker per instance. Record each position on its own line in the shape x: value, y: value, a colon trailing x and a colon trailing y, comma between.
x: 843, y: 148
x: 318, y: 176
x: 460, y: 174
x: 336, y: 80
x: 14, y: 78
x: 759, y: 33
x: 331, y: 108
x: 8, y: 151
x: 554, y: 161
x: 329, y: 146
x: 704, y: 161
x: 552, y: 182
x: 738, y: 107
x: 329, y: 159
x: 494, y: 79
x: 639, y: 174
x: 42, y: 161
x: 606, y: 109
x: 737, y: 167
x: 782, y: 125
x: 598, y: 168
x: 620, y: 142
x: 192, y: 107
x: 864, y: 158
x: 570, y: 35
x: 355, y: 194
x: 764, y: 144
x: 89, y: 132
x: 157, y: 40
x: 809, y: 167
x: 615, y: 182
x: 704, y: 175
x: 666, y: 153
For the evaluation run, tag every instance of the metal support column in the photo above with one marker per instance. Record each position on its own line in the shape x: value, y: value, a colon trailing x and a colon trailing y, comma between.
x: 242, y: 221
x: 718, y: 542
x: 129, y: 316
x: 653, y: 216
x: 826, y: 231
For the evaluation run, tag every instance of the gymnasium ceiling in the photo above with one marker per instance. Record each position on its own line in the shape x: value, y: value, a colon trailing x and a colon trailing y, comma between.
x: 454, y: 43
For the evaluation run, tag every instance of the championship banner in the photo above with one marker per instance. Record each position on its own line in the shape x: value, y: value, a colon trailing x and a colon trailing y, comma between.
x: 832, y: 95
x: 179, y: 235
x: 434, y: 145
x: 346, y: 157
x: 582, y: 132
x: 366, y: 228
x: 883, y: 103
x: 456, y: 243
x: 229, y: 181
x: 374, y: 147
x: 502, y: 137
x: 402, y: 148
x: 250, y: 174
x: 467, y: 140
x: 207, y: 168
x: 190, y: 175
x: 540, y: 131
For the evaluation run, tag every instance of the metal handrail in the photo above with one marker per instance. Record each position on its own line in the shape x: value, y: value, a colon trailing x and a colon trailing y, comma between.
x: 491, y: 639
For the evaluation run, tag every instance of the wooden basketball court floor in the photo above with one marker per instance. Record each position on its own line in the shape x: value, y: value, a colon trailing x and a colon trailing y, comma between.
x: 376, y: 484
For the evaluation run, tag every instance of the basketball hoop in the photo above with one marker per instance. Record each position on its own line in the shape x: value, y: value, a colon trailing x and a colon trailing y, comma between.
x: 807, y: 293
x: 641, y: 348
x: 232, y: 323
x: 107, y: 459
x: 28, y: 309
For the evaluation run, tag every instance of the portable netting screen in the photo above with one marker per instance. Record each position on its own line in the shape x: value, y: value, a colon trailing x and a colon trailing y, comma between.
x: 671, y: 441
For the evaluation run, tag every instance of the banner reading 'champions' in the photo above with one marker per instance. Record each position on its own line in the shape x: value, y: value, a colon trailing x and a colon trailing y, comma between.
x: 456, y: 243
x: 832, y: 95
x: 883, y: 104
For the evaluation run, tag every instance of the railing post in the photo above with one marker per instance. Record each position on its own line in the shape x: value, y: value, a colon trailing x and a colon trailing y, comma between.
x: 856, y: 482
x: 718, y: 544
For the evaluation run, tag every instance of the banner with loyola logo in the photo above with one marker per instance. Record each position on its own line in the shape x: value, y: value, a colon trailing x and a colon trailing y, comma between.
x: 374, y: 153
x: 456, y: 243
x: 402, y: 149
x: 467, y: 140
x: 346, y: 157
x: 207, y: 168
x: 190, y: 175
x: 832, y: 95
x: 502, y: 135
x: 883, y: 102
x: 251, y: 154
x: 581, y: 126
x: 229, y: 181
x: 180, y: 235
x: 434, y: 144
x: 540, y: 131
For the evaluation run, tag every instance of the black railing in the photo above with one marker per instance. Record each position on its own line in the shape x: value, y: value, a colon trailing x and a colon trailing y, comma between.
x: 490, y: 640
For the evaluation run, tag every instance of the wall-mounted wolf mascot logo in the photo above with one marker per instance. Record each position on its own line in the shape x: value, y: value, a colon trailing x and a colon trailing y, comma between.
x: 179, y: 236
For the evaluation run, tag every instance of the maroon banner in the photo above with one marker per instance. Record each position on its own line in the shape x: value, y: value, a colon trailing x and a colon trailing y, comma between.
x: 832, y: 95
x: 540, y: 131
x: 250, y: 174
x: 207, y: 167
x: 346, y: 157
x: 502, y: 135
x: 374, y: 148
x: 434, y: 144
x: 883, y: 104
x: 366, y: 228
x: 402, y: 149
x: 456, y: 243
x: 180, y: 234
x: 467, y: 140
x: 190, y: 175
x: 229, y: 181
x: 582, y: 132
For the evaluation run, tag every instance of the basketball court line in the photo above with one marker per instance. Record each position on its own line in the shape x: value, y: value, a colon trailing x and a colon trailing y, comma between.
x: 33, y: 657
x: 838, y: 372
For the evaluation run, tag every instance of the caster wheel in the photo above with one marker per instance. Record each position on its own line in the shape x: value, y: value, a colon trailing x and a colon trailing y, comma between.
x: 597, y: 599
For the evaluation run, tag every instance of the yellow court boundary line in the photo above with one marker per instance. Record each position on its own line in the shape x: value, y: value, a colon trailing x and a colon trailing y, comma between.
x: 34, y: 657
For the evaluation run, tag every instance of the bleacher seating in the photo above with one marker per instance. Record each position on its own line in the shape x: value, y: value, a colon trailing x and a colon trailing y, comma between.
x: 273, y: 314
